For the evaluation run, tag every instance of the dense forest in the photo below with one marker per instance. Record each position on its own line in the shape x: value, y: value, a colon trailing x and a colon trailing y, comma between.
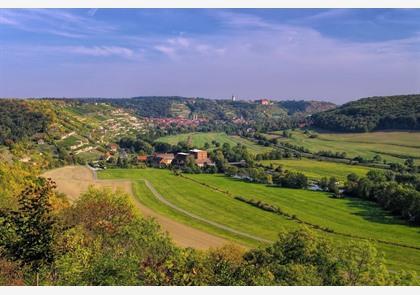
x: 20, y: 119
x: 373, y: 113
x: 305, y: 107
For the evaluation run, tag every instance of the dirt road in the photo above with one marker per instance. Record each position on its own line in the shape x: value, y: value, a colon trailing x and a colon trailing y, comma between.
x: 74, y: 180
x: 215, y: 224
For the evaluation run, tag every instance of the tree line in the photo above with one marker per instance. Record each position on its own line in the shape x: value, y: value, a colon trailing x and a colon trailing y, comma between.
x: 397, y: 194
x: 372, y: 113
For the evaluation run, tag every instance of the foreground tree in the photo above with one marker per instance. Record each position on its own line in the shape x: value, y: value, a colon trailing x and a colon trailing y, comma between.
x: 303, y: 258
x: 28, y: 233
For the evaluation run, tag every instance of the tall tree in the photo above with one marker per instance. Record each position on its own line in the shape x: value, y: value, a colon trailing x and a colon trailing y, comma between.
x: 28, y: 233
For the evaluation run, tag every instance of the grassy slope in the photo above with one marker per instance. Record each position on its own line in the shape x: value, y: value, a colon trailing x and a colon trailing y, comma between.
x: 315, y: 169
x: 386, y: 144
x: 352, y: 216
x: 199, y: 139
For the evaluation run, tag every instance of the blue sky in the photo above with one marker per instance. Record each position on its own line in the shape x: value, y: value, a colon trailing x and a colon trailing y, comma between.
x: 336, y: 55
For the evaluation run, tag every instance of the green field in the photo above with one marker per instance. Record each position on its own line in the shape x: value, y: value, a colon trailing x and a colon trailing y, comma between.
x: 315, y: 169
x: 198, y: 140
x: 347, y: 216
x: 90, y: 156
x: 391, y: 146
x: 70, y: 141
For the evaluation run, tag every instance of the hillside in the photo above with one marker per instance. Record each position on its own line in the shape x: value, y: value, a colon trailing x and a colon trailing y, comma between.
x: 47, y: 133
x: 305, y: 107
x: 21, y: 119
x: 183, y: 107
x: 372, y: 113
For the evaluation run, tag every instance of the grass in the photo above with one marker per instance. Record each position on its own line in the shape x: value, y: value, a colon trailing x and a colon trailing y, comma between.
x: 348, y: 216
x: 69, y: 141
x: 198, y: 140
x: 391, y: 146
x: 315, y: 169
x: 90, y: 156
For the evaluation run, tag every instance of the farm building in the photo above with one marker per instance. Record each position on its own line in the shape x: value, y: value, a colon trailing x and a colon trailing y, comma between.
x: 200, y: 157
x: 162, y: 158
x: 113, y: 147
x: 263, y: 101
x: 181, y: 158
x: 142, y: 158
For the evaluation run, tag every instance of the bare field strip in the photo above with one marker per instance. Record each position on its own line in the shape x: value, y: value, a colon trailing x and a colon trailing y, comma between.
x: 74, y: 180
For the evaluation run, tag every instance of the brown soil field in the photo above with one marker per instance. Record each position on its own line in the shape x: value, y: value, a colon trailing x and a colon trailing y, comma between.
x: 74, y: 180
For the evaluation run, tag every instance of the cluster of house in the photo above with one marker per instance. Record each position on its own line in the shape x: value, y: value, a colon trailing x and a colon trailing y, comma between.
x: 175, y: 121
x: 200, y: 158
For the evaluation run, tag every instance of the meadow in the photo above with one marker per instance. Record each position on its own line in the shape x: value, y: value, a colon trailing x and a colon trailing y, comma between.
x: 198, y: 139
x: 315, y: 169
x: 393, y: 146
x: 345, y: 216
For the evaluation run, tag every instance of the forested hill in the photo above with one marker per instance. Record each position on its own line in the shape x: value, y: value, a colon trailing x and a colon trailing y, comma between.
x: 306, y: 107
x: 373, y: 113
x: 20, y: 119
x: 175, y: 106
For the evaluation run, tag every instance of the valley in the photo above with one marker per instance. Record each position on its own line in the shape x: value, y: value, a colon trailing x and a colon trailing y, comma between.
x: 354, y: 217
x: 217, y: 173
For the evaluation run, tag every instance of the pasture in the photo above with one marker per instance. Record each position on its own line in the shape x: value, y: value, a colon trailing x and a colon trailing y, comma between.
x: 393, y: 146
x: 315, y: 169
x: 197, y: 194
x: 198, y: 139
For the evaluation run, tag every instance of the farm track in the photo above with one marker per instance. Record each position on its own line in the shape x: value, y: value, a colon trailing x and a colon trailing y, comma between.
x: 215, y: 224
x: 162, y: 199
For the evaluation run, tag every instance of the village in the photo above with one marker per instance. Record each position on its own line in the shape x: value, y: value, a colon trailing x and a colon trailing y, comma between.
x: 161, y: 160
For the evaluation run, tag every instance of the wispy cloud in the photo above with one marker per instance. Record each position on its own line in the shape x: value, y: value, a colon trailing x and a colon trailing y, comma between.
x: 326, y: 15
x: 53, y: 21
x: 243, y: 20
x: 180, y: 47
x: 7, y: 21
x: 92, y: 11
x: 247, y: 54
x: 69, y: 52
x: 100, y: 51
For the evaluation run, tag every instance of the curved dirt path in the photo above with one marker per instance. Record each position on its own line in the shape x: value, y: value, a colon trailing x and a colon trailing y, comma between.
x: 162, y: 199
x: 74, y: 180
x: 215, y: 224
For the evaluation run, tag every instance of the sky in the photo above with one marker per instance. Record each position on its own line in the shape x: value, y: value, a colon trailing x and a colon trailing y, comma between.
x: 335, y: 55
